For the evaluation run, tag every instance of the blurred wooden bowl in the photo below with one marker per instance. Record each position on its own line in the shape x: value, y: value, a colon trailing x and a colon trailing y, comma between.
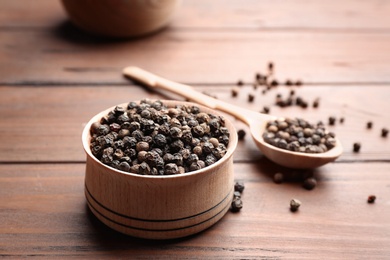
x: 159, y: 207
x: 118, y: 18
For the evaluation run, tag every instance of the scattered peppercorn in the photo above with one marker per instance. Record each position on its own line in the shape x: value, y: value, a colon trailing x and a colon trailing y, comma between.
x: 251, y: 97
x: 384, y: 132
x: 369, y: 125
x: 240, y: 83
x: 294, y: 205
x: 342, y: 120
x: 239, y: 186
x: 316, y: 103
x: 332, y: 120
x: 288, y: 82
x: 270, y: 67
x: 278, y: 177
x: 356, y: 147
x: 148, y: 138
x: 309, y: 183
x: 274, y: 83
x: 265, y: 110
x: 371, y: 199
x: 235, y: 91
x: 241, y: 134
x: 298, y: 83
x: 236, y: 205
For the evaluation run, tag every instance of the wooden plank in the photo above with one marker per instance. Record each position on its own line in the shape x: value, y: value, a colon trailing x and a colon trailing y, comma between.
x: 45, y: 123
x: 254, y: 14
x: 63, y: 56
x: 44, y: 214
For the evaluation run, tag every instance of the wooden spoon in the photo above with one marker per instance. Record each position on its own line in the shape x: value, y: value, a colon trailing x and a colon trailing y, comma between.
x: 255, y: 121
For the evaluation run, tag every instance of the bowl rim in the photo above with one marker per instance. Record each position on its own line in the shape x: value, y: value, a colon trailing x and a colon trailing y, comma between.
x: 233, y: 140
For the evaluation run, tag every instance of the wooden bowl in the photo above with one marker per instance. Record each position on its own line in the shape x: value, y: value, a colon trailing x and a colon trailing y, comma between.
x: 159, y: 207
x: 116, y: 18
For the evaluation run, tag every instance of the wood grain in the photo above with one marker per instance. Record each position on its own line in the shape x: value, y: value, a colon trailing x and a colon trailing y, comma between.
x: 254, y: 14
x: 63, y: 55
x: 54, y: 78
x: 45, y: 123
x: 44, y: 214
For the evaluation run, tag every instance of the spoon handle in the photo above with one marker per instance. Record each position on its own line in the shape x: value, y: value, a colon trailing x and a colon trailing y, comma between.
x: 154, y: 81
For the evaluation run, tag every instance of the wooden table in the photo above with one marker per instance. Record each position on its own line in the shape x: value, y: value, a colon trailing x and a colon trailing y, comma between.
x: 54, y: 78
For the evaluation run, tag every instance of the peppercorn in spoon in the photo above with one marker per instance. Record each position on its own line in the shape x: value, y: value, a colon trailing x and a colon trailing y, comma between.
x: 262, y: 126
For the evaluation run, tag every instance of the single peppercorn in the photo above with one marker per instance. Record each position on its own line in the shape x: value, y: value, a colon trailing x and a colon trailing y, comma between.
x: 294, y: 205
x: 241, y: 134
x: 384, y: 132
x: 124, y: 166
x: 251, y: 97
x: 265, y: 110
x: 274, y: 83
x: 332, y: 120
x: 171, y: 169
x: 278, y: 177
x: 371, y: 199
x: 270, y: 67
x: 288, y: 82
x: 239, y: 186
x: 316, y: 103
x: 309, y: 183
x: 356, y: 147
x: 235, y: 91
x: 236, y: 205
x: 369, y: 125
x: 142, y: 146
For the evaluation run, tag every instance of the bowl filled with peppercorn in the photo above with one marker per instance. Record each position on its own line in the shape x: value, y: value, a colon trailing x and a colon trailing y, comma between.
x: 159, y: 169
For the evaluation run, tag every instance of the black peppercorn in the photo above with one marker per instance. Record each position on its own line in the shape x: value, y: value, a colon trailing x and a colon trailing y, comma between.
x: 239, y: 186
x: 278, y: 177
x: 124, y: 166
x: 384, y: 132
x: 142, y: 146
x: 356, y: 147
x: 251, y: 97
x: 332, y: 120
x: 144, y: 168
x: 270, y: 67
x: 294, y: 205
x: 265, y: 110
x: 236, y: 205
x: 171, y: 169
x: 309, y: 183
x: 148, y: 133
x: 241, y: 134
x: 197, y: 165
x: 316, y: 103
x: 369, y: 125
x: 371, y: 199
x: 235, y: 91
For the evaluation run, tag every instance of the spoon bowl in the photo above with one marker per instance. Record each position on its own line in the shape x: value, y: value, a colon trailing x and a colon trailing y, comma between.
x: 256, y: 121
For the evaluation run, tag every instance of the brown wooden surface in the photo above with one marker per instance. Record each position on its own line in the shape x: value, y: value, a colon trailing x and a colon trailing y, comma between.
x: 54, y: 78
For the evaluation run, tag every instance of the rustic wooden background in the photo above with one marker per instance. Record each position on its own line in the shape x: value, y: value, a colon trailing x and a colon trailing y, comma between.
x: 54, y: 78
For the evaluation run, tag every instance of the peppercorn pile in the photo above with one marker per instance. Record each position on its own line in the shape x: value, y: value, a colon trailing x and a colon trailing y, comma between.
x: 298, y: 135
x: 151, y: 139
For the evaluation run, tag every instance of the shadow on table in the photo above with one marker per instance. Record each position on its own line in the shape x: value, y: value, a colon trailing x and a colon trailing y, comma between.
x: 67, y: 31
x: 109, y: 240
